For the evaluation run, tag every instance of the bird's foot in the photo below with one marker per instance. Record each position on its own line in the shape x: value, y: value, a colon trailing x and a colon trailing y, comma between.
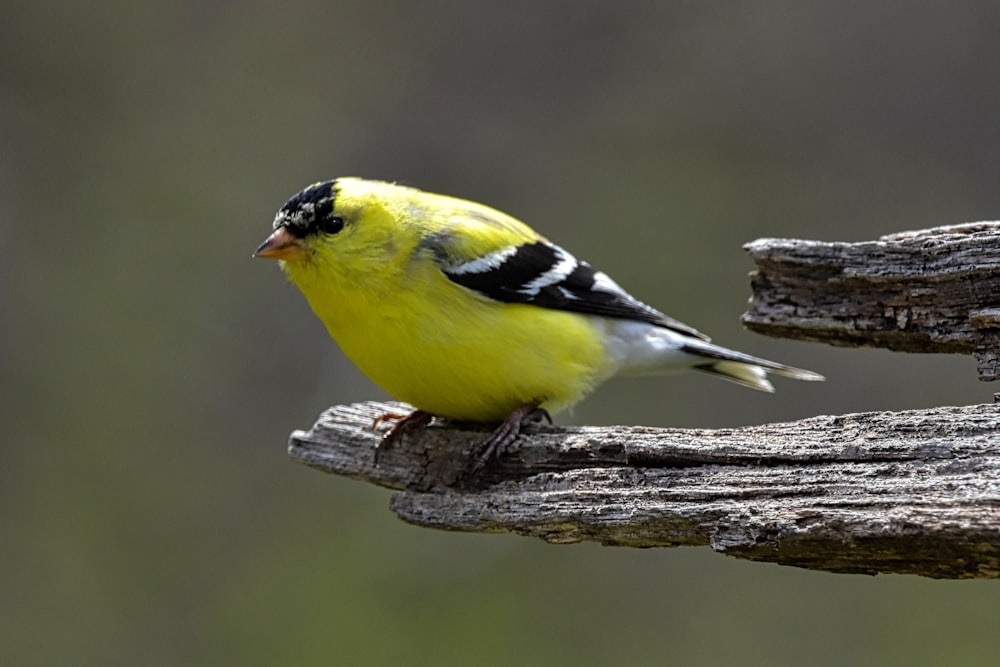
x: 404, y: 424
x: 497, y: 442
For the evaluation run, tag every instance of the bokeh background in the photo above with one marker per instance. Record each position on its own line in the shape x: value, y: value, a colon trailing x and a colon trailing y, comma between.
x: 152, y: 371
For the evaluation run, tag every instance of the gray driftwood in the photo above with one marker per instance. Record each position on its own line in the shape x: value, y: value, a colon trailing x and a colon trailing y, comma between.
x: 910, y: 492
x: 933, y: 290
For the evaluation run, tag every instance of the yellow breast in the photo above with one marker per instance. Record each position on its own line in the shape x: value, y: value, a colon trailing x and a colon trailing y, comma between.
x: 456, y: 354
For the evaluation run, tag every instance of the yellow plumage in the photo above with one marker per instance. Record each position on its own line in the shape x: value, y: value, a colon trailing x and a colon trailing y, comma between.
x: 424, y: 339
x: 467, y: 313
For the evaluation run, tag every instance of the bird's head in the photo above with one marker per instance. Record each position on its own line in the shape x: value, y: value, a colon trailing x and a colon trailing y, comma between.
x: 303, y: 223
x: 340, y: 229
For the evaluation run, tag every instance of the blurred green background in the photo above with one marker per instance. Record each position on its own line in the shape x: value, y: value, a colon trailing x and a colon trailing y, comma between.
x: 152, y: 371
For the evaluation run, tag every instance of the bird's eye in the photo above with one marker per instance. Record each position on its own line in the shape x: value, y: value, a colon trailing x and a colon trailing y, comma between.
x: 331, y: 225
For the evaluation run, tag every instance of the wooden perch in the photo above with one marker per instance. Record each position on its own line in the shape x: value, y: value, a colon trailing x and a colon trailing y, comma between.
x: 911, y: 492
x: 934, y: 290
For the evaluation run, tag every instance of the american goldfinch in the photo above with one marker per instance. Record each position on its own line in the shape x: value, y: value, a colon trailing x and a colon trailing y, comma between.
x: 469, y: 314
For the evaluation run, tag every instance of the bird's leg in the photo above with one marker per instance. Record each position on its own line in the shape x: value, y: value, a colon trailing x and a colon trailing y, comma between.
x: 496, y: 444
x: 404, y: 424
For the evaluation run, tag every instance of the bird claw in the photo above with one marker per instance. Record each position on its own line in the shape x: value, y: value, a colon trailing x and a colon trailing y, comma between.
x: 491, y: 448
x: 404, y: 424
x: 494, y: 446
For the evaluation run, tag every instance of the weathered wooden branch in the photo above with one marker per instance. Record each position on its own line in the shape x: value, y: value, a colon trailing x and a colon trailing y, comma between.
x: 934, y: 290
x: 910, y: 492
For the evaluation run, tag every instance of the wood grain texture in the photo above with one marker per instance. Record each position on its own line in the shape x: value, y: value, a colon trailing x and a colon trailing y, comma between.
x: 913, y: 492
x: 933, y: 290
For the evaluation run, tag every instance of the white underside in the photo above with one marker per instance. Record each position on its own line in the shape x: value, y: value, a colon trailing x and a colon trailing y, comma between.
x: 638, y: 348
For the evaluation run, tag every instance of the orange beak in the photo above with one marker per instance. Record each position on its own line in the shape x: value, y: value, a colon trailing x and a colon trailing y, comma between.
x: 281, y: 244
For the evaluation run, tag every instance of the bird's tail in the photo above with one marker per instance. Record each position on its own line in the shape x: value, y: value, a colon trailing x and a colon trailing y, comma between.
x: 744, y: 369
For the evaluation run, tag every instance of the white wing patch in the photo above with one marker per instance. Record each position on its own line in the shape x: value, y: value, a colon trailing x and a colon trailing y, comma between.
x: 604, y: 283
x: 566, y: 293
x: 484, y: 263
x: 565, y: 264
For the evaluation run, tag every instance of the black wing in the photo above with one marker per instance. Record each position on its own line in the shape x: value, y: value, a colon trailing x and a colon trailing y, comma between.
x: 545, y: 275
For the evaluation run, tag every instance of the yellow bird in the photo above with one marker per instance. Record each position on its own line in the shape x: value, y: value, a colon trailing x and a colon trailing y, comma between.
x: 469, y: 314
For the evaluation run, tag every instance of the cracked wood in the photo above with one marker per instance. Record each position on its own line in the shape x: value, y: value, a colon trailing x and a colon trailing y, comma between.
x: 913, y: 492
x: 933, y: 290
